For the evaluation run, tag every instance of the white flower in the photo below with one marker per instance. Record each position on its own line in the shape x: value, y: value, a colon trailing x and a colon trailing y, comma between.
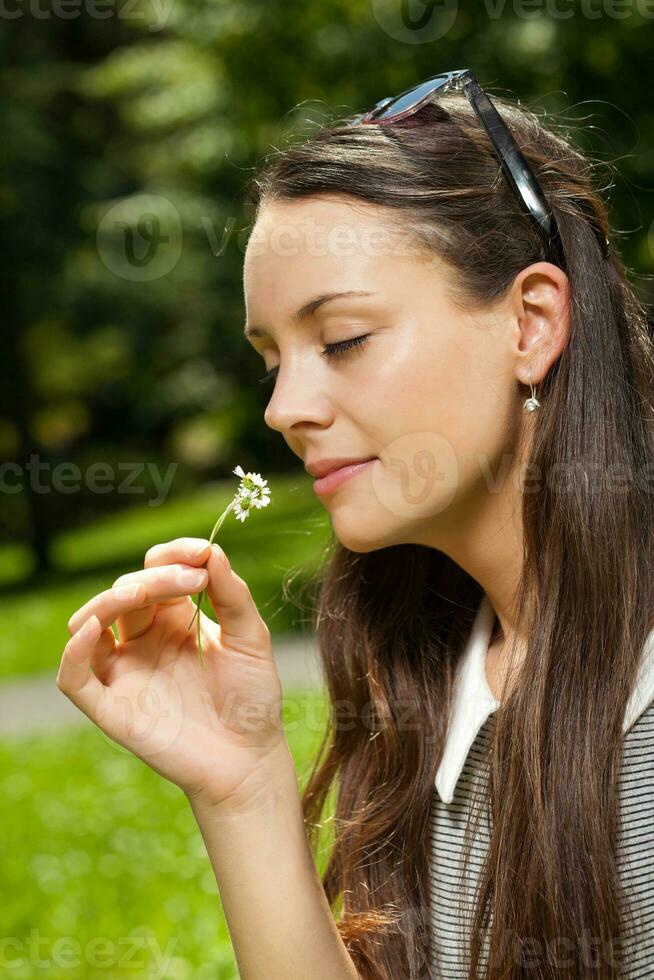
x: 253, y: 491
x: 242, y: 504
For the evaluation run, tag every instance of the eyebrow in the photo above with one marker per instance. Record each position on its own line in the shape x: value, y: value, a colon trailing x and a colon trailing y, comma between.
x: 308, y: 309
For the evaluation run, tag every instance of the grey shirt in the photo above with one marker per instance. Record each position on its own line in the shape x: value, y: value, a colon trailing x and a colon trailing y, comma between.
x: 469, y: 732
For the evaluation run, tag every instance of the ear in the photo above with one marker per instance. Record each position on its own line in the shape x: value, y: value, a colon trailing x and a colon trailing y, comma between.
x: 540, y: 301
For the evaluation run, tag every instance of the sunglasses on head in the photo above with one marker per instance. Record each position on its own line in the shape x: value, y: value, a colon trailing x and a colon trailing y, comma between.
x: 518, y: 172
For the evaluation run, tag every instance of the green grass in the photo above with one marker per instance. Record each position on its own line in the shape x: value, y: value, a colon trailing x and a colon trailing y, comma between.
x: 290, y: 532
x: 102, y: 858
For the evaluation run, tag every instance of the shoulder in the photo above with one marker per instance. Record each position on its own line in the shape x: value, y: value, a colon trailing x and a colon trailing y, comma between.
x: 636, y: 788
x: 635, y: 845
x: 638, y: 741
x: 636, y: 796
x: 637, y: 767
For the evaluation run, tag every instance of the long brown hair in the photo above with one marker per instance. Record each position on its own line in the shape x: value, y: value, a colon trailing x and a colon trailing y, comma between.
x: 391, y: 623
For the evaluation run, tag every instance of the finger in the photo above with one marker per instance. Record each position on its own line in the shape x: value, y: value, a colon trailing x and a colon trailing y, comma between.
x: 103, y: 655
x: 154, y: 585
x: 192, y: 551
x: 75, y: 678
x: 132, y: 623
x: 235, y: 609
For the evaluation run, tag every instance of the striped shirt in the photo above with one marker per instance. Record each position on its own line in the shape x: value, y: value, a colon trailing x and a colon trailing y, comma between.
x: 458, y: 778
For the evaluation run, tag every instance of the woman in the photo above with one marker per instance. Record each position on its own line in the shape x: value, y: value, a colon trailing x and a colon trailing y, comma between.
x: 451, y: 315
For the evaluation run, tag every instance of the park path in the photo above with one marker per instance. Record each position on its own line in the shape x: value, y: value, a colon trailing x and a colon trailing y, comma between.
x: 34, y: 704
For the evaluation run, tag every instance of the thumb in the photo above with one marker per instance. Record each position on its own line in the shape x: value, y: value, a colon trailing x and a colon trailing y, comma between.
x: 240, y: 621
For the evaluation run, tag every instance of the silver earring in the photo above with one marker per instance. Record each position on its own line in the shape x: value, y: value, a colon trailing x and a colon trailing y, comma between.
x: 532, y: 403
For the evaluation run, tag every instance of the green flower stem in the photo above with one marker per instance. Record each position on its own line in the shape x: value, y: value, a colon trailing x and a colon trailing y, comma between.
x: 202, y: 594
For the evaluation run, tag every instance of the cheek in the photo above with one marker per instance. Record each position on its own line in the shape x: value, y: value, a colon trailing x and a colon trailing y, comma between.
x: 446, y: 419
x: 419, y: 389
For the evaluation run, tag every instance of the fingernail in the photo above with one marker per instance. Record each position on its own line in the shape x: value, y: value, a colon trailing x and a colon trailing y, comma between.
x: 189, y: 578
x: 193, y: 550
x: 126, y: 591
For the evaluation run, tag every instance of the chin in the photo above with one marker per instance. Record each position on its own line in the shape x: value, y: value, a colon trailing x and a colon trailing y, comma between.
x: 362, y: 538
x: 360, y: 547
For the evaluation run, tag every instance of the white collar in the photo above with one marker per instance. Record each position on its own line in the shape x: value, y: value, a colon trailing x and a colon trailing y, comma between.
x: 473, y: 700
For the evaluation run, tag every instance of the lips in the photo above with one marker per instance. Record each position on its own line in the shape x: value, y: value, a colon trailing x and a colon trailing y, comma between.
x: 336, y: 478
x: 322, y: 467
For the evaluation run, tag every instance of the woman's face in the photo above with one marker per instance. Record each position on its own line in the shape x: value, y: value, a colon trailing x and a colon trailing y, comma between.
x: 431, y: 392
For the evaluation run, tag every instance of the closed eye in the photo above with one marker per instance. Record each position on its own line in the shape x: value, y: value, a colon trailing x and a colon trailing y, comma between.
x: 330, y: 350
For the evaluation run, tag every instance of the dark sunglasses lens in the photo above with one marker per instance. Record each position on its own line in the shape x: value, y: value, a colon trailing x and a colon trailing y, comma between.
x: 411, y: 98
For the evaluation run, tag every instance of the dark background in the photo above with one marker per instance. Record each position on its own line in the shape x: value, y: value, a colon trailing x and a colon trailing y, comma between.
x: 128, y: 132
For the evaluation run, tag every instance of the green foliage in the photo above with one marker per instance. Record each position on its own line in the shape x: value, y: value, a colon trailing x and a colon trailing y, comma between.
x: 100, y: 850
x: 286, y: 537
x: 160, y: 112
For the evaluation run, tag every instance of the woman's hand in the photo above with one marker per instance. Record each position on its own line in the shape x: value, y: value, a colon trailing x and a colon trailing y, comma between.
x: 217, y: 733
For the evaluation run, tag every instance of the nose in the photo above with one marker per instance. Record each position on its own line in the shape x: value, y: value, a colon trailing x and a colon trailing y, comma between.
x: 297, y: 398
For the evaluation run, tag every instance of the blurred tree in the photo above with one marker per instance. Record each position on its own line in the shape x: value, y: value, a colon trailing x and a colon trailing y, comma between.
x: 127, y: 140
